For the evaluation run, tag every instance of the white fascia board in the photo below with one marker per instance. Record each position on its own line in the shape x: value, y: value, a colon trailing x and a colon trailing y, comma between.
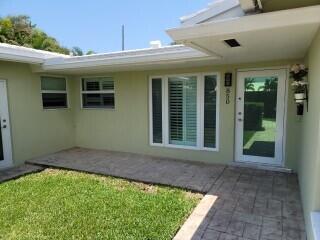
x: 20, y: 58
x: 26, y: 55
x: 247, y: 23
x: 144, y: 56
x: 214, y: 9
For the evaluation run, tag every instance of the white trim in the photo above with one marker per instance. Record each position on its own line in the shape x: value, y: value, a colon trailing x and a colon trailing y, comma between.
x: 213, y: 10
x: 26, y: 55
x: 262, y: 166
x: 200, y: 112
x: 257, y: 22
x: 54, y: 91
x: 6, y: 132
x: 165, y: 112
x: 150, y: 112
x: 175, y: 53
x: 279, y: 158
x: 282, y: 67
x: 218, y: 112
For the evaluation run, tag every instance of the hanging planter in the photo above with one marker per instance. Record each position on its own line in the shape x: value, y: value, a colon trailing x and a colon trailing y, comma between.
x: 299, y: 84
x: 299, y: 97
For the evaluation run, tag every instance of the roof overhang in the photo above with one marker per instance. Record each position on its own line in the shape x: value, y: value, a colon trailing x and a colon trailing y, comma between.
x: 214, y: 10
x: 26, y: 55
x: 277, y: 35
x: 127, y: 60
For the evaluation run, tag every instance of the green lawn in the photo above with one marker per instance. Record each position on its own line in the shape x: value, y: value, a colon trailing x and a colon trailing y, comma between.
x: 56, y: 204
x: 268, y: 134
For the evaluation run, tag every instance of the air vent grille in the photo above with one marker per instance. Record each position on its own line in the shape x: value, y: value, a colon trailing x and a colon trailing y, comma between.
x: 232, y: 43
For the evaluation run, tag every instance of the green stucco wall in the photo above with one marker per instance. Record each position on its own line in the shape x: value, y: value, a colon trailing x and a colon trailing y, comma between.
x: 276, y: 5
x: 34, y: 131
x: 309, y: 160
x: 127, y: 127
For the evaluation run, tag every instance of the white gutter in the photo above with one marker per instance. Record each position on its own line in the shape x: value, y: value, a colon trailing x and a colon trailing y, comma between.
x: 26, y: 55
x: 133, y: 57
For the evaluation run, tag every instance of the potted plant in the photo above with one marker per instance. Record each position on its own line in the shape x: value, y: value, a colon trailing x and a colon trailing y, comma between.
x: 298, y: 73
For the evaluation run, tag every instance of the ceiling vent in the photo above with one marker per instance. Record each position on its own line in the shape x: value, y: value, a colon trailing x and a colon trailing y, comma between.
x: 232, y: 43
x: 251, y: 6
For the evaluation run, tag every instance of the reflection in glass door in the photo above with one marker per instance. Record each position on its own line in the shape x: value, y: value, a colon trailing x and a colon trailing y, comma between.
x: 260, y: 116
x: 260, y: 111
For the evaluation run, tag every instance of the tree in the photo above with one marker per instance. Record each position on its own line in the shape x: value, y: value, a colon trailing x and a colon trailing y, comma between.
x: 19, y: 30
x: 249, y: 84
x: 76, y: 51
x: 269, y: 85
x: 90, y: 52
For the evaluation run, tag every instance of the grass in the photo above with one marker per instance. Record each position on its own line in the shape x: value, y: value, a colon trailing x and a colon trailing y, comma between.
x: 56, y: 204
x: 268, y: 134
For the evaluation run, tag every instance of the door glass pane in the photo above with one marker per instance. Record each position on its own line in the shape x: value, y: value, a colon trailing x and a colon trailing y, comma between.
x: 183, y: 111
x: 260, y: 110
x: 1, y: 146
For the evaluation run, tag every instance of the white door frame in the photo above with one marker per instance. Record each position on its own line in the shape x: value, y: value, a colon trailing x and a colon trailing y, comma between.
x: 5, y: 126
x: 278, y: 160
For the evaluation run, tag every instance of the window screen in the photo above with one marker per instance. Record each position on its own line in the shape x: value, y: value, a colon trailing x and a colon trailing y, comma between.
x: 54, y: 92
x: 98, y: 92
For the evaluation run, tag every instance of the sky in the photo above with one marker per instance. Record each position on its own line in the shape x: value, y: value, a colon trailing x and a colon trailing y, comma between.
x: 96, y: 24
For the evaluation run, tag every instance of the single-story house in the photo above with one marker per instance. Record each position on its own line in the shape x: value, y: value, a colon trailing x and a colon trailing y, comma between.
x: 221, y: 94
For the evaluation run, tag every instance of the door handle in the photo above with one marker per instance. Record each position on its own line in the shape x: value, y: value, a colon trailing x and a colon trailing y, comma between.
x: 4, y: 126
x: 239, y: 119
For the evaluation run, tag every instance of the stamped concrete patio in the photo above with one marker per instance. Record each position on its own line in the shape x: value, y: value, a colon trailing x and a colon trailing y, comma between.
x: 196, y: 176
x: 240, y: 203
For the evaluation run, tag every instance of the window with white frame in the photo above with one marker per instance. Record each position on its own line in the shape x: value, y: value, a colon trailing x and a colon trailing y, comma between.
x: 184, y: 111
x: 54, y: 92
x: 97, y: 92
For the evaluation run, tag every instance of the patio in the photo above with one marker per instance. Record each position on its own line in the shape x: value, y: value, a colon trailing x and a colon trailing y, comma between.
x: 196, y: 176
x: 243, y: 203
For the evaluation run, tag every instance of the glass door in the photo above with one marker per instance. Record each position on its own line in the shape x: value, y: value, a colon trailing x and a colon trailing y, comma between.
x: 1, y: 145
x: 260, y: 116
x: 5, y: 136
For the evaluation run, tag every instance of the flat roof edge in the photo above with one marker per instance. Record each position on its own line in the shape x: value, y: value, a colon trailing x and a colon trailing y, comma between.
x: 247, y: 23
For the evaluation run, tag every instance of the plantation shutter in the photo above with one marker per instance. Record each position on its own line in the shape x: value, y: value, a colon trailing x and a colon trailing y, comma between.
x: 183, y: 111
